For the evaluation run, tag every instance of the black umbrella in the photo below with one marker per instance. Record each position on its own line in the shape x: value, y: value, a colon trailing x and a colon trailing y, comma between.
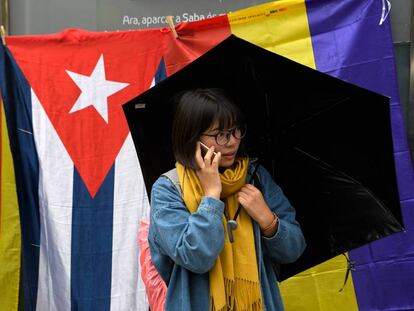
x: 326, y: 142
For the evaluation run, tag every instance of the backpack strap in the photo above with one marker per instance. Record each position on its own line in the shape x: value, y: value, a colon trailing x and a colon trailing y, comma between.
x: 256, y: 178
x: 172, y: 175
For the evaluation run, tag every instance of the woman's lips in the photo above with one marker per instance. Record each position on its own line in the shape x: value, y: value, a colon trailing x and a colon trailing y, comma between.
x: 229, y: 155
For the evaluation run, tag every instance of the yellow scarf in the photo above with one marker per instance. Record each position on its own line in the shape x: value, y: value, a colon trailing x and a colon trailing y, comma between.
x: 234, y: 278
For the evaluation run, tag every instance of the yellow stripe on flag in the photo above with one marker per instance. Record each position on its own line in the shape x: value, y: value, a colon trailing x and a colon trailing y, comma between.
x: 10, y: 244
x: 282, y: 27
x: 318, y: 288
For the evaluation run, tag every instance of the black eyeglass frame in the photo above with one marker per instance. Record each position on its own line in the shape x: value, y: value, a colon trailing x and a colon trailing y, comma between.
x: 232, y: 131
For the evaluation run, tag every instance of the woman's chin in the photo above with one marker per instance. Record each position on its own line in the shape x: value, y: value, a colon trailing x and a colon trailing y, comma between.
x: 225, y: 163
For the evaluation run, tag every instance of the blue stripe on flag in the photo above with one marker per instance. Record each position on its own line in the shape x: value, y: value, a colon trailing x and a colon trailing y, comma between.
x: 16, y: 96
x: 91, y: 261
x: 161, y: 73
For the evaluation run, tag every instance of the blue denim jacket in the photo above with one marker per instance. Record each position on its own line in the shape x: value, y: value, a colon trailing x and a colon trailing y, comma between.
x: 184, y: 246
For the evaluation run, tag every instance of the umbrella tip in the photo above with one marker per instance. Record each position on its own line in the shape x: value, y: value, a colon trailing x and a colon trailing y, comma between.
x: 140, y: 106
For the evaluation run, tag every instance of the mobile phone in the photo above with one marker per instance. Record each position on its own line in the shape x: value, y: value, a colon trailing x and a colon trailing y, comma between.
x: 205, y: 149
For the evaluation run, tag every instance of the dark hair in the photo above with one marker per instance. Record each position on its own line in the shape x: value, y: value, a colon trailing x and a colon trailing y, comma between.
x: 195, y: 113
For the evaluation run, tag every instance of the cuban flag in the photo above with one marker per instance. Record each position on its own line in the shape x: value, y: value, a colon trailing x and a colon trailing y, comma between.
x: 80, y: 188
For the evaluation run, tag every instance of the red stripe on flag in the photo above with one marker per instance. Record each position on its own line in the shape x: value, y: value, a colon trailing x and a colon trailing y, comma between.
x: 188, y: 46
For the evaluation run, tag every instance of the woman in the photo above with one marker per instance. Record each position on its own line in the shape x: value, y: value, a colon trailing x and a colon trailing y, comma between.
x: 212, y: 254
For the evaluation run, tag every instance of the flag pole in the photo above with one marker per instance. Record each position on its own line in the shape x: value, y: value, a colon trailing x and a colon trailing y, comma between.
x: 3, y: 34
x: 172, y: 27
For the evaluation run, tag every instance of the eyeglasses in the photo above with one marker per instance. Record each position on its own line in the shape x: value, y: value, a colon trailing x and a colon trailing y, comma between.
x: 223, y: 137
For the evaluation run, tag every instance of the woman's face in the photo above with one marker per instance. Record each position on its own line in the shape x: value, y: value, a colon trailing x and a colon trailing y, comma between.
x: 228, y: 150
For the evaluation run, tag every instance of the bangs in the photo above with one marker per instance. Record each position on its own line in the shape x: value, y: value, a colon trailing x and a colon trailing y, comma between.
x: 227, y: 118
x: 220, y: 108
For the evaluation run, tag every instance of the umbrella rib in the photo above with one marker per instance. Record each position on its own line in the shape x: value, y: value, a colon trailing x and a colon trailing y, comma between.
x: 335, y: 170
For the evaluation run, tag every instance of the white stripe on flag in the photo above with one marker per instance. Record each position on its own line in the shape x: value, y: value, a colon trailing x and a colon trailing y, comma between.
x: 130, y: 205
x: 55, y: 210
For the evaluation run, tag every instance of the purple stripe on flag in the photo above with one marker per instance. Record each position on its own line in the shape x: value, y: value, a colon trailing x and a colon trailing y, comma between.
x: 16, y: 96
x: 349, y: 43
x: 384, y: 278
x: 399, y: 131
x: 347, y: 39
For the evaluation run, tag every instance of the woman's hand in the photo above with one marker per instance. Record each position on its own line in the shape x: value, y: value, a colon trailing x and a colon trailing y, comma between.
x: 208, y: 172
x: 253, y: 202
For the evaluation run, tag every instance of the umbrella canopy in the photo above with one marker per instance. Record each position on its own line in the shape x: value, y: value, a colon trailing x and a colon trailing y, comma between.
x: 326, y: 142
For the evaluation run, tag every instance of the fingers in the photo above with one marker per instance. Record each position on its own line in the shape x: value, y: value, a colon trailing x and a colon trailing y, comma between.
x: 209, y: 154
x: 208, y: 172
x: 249, y: 189
x: 242, y: 198
x: 210, y: 157
x: 216, y: 159
x: 248, y: 195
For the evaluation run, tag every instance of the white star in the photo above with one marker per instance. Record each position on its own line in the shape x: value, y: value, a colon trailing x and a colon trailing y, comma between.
x: 95, y: 89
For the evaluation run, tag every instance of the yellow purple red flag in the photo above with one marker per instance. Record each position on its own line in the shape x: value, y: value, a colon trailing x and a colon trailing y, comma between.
x: 283, y: 27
